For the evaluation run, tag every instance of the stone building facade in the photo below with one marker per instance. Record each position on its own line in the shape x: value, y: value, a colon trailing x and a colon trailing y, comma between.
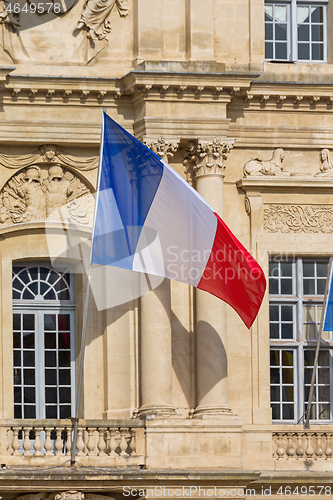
x: 237, y: 96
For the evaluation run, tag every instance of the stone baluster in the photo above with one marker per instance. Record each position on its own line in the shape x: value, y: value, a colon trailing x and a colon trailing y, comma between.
x: 290, y: 451
x: 113, y: 443
x: 328, y: 447
x: 91, y: 444
x: 101, y: 445
x: 309, y: 451
x: 280, y: 450
x: 299, y: 446
x: 319, y: 449
x: 80, y: 443
x: 27, y: 442
x: 68, y: 440
x: 37, y: 443
x: 203, y: 161
x: 48, y: 442
x: 133, y: 442
x: 123, y: 442
x: 59, y: 443
x: 16, y: 442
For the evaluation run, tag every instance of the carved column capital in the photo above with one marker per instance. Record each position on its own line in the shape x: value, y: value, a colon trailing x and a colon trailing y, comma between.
x: 206, y: 157
x: 163, y: 147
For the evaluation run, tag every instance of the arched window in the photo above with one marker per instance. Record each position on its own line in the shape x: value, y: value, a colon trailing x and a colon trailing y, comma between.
x: 44, y: 341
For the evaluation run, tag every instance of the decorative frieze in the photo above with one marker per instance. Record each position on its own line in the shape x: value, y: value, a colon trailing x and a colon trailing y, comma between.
x: 285, y: 218
x: 206, y: 157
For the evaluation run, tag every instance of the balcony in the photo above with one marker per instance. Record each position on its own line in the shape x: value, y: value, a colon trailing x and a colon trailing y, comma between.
x: 39, y: 442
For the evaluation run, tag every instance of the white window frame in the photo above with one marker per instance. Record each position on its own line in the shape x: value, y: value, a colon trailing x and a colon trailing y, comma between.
x: 299, y: 343
x: 292, y: 41
x: 39, y: 308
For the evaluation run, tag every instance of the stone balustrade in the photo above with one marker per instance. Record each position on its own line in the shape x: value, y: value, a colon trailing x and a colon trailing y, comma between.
x: 113, y: 442
x: 298, y: 443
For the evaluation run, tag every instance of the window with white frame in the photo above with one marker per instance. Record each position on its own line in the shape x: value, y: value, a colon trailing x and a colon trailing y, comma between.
x: 295, y: 31
x: 296, y: 289
x: 43, y: 341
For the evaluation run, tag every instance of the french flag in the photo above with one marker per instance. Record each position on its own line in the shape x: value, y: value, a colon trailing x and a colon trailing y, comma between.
x: 148, y: 219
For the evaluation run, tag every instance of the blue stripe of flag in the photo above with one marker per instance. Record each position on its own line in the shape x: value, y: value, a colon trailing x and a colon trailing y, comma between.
x: 129, y: 178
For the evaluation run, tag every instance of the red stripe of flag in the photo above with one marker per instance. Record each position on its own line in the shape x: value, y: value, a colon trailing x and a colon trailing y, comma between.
x: 233, y: 275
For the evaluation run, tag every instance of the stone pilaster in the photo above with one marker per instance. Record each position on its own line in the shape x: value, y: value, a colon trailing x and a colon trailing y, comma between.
x: 204, y: 167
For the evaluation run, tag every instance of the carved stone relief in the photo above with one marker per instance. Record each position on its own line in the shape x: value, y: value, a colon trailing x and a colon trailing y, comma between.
x: 10, y: 39
x: 326, y: 164
x: 258, y: 167
x: 298, y: 218
x: 204, y: 158
x: 94, y: 21
x: 38, y: 194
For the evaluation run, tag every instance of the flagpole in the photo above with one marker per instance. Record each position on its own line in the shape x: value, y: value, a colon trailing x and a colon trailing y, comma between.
x: 85, y: 317
x: 319, y: 334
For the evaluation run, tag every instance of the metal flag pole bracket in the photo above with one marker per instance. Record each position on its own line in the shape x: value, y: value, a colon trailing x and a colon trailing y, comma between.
x: 319, y: 334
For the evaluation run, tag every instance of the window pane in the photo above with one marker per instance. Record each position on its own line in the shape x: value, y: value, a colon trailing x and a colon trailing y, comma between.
x: 51, y: 411
x: 50, y: 358
x: 17, y: 376
x: 17, y: 321
x: 269, y: 32
x: 324, y: 393
x: 65, y: 395
x: 317, y: 15
x: 287, y: 358
x: 51, y: 395
x: 28, y: 321
x: 274, y: 313
x: 302, y: 14
x: 269, y: 12
x: 28, y: 340
x: 17, y: 395
x: 273, y: 285
x: 50, y: 340
x: 64, y: 358
x: 29, y: 377
x: 324, y: 411
x: 309, y: 287
x: 317, y: 52
x: 276, y: 412
x: 308, y: 269
x: 65, y: 411
x: 275, y: 376
x: 274, y: 358
x: 309, y: 357
x: 63, y: 340
x: 286, y: 313
x: 29, y: 395
x: 288, y: 393
x: 286, y: 269
x: 324, y: 358
x: 303, y: 51
x: 287, y: 376
x: 29, y: 411
x: 303, y: 33
x: 321, y: 286
x: 274, y: 269
x: 16, y: 340
x: 281, y: 32
x: 288, y: 412
x: 286, y: 331
x: 275, y: 393
x: 64, y: 377
x: 280, y: 13
x: 322, y: 269
x: 50, y: 377
x: 317, y: 32
x: 286, y: 287
x: 280, y: 50
x: 50, y: 322
x: 28, y: 358
x: 323, y: 376
x: 274, y: 331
